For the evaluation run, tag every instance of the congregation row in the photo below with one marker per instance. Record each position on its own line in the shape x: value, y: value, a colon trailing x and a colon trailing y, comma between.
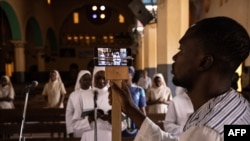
x: 151, y: 96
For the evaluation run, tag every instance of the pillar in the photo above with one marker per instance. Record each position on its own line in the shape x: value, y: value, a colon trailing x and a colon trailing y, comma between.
x: 172, y: 22
x: 41, y: 62
x: 150, y: 51
x: 19, y: 66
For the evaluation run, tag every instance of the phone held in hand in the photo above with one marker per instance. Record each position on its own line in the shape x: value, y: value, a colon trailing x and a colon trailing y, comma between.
x: 110, y: 56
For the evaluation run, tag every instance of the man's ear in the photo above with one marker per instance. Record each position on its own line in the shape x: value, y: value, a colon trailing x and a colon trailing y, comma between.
x: 206, y: 62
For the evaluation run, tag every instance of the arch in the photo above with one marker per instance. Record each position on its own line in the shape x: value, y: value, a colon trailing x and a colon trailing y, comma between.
x: 13, y: 21
x: 32, y: 22
x: 52, y: 39
x: 117, y: 6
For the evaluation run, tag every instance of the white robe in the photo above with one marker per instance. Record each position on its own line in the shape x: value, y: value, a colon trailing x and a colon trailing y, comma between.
x: 82, y: 125
x: 179, y: 109
x: 7, y: 91
x: 154, y: 93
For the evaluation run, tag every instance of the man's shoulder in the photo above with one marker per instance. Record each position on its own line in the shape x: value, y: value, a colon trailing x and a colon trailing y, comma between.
x: 136, y: 86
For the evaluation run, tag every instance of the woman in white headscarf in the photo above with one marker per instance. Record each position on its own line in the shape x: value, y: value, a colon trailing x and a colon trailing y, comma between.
x: 82, y: 86
x: 84, y: 120
x: 7, y: 93
x: 54, y: 90
x: 84, y: 123
x: 159, y: 95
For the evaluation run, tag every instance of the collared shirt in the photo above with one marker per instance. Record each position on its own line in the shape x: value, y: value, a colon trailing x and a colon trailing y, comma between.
x: 145, y: 82
x: 139, y: 98
x: 207, y: 123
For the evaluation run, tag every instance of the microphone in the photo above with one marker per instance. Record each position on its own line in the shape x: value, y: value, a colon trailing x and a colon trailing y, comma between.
x: 95, y: 95
x: 33, y: 84
x: 95, y: 98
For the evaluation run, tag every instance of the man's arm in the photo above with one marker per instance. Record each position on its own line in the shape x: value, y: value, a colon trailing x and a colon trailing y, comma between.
x: 127, y: 104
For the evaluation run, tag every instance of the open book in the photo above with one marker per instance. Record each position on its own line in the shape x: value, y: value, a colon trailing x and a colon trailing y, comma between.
x: 88, y: 112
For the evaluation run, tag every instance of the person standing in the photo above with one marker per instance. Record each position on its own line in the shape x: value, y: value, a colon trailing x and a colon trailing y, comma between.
x: 82, y: 86
x: 179, y: 110
x: 210, y: 52
x: 139, y: 99
x: 54, y: 91
x: 158, y: 96
x: 145, y: 81
x: 7, y: 93
x: 84, y: 119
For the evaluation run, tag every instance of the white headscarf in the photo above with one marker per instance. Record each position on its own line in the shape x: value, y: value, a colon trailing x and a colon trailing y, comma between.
x: 80, y: 74
x: 8, y: 80
x: 56, y: 85
x: 162, y: 79
x: 96, y: 69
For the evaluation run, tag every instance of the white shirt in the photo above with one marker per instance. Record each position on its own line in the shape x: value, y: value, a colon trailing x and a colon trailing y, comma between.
x: 145, y: 83
x: 207, y: 123
x: 179, y: 109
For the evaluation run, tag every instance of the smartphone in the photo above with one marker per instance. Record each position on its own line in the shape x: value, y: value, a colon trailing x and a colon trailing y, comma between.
x: 110, y: 56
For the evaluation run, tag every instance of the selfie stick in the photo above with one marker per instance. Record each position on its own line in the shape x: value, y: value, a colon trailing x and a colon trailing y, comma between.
x: 116, y: 74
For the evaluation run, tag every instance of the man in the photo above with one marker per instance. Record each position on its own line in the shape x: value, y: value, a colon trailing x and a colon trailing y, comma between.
x: 210, y: 51
x: 179, y: 109
x: 139, y: 99
x: 145, y: 81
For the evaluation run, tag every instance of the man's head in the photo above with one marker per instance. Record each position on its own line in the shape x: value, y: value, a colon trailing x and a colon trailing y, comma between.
x: 217, y: 45
x: 131, y: 71
x: 145, y: 73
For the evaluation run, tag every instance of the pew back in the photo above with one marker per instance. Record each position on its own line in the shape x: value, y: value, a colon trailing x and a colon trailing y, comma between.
x: 38, y: 120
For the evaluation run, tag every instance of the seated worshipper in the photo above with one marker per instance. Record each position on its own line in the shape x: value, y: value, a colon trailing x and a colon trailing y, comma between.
x: 54, y: 91
x: 82, y: 86
x: 139, y: 99
x: 210, y: 51
x: 84, y: 118
x: 158, y: 96
x: 179, y: 109
x: 7, y: 93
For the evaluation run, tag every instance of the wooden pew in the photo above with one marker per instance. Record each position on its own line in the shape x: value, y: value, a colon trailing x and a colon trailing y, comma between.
x: 38, y: 120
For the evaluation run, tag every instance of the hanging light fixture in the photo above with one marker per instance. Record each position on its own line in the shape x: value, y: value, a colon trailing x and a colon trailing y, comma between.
x: 49, y: 2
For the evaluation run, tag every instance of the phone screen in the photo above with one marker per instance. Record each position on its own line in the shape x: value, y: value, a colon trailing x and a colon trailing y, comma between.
x: 105, y: 56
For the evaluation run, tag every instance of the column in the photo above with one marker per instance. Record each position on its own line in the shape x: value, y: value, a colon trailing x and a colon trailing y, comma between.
x: 19, y: 64
x: 139, y: 61
x: 41, y: 62
x: 150, y: 51
x: 172, y: 22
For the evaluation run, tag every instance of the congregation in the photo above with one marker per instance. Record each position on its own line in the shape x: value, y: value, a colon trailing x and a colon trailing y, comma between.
x: 151, y: 95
